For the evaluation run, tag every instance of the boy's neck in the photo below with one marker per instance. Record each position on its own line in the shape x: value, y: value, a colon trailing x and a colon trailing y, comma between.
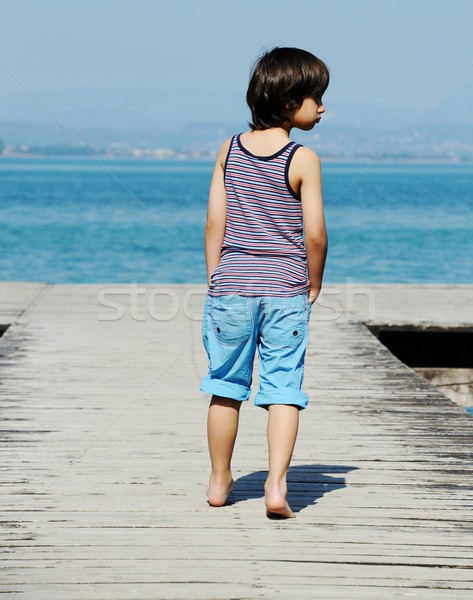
x: 265, y: 142
x: 273, y: 132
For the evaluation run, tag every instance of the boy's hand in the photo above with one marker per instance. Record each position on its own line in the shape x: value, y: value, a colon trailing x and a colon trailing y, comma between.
x: 313, y: 294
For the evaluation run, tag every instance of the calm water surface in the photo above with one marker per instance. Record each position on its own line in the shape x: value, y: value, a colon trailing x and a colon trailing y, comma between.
x: 68, y: 220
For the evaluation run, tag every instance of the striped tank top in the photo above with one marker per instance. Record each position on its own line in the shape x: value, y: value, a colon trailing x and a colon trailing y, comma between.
x: 263, y: 251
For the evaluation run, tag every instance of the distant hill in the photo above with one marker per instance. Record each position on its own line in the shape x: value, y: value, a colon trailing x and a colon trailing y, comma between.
x: 117, y: 108
x: 330, y: 140
x: 190, y: 121
x: 151, y: 108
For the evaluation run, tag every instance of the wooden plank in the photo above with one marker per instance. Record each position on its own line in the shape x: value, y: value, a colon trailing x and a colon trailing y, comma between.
x: 16, y: 296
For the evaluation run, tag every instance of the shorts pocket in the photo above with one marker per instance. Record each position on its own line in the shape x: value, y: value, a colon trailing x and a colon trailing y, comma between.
x: 231, y: 320
x: 286, y: 325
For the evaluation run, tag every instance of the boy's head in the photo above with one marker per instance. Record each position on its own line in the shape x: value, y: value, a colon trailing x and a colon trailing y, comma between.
x: 280, y: 81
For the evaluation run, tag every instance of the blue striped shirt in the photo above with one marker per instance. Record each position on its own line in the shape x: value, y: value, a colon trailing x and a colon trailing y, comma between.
x: 263, y: 250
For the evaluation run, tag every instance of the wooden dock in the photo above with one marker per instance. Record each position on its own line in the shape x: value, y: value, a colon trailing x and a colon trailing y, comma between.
x: 104, y: 456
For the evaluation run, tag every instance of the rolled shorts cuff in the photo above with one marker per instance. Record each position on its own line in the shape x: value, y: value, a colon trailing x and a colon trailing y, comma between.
x: 286, y: 396
x: 226, y: 389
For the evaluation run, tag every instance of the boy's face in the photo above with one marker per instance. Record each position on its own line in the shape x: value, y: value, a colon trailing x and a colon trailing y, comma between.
x: 308, y: 114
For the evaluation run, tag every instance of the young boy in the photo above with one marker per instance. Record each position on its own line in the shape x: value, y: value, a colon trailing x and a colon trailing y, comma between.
x: 265, y: 247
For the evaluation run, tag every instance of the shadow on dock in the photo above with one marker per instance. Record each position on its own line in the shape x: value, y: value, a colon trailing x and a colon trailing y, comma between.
x: 306, y: 484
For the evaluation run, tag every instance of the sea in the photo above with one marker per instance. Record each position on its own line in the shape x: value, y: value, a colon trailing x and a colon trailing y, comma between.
x: 108, y: 220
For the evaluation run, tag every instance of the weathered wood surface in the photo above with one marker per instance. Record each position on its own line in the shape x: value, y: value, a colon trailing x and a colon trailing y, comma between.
x: 105, y: 459
x: 16, y: 296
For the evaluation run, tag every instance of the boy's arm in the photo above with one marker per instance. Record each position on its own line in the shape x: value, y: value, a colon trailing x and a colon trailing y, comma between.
x: 315, y: 232
x: 216, y: 214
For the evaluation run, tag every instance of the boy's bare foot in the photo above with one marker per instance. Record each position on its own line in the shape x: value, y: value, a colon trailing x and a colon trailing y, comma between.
x: 218, y: 491
x: 275, y: 498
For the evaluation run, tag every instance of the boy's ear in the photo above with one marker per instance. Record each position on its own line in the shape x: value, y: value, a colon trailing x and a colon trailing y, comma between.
x: 291, y: 107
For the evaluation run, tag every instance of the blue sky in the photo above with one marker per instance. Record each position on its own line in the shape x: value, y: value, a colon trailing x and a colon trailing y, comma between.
x: 393, y: 53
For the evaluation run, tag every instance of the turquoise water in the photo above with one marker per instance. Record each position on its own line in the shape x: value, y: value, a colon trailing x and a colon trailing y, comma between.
x: 69, y: 220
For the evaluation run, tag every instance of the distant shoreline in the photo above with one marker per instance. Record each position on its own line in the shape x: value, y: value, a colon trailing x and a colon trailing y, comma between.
x: 189, y: 158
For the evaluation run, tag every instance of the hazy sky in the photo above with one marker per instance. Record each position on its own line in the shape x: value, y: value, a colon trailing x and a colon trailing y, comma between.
x: 394, y: 53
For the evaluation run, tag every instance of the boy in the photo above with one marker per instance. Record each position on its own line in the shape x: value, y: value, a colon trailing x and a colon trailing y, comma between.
x: 265, y: 247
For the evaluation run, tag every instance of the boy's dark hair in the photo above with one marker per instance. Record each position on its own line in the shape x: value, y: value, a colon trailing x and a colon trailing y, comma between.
x: 280, y: 81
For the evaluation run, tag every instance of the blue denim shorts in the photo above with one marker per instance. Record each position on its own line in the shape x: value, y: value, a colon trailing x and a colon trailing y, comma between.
x: 235, y: 326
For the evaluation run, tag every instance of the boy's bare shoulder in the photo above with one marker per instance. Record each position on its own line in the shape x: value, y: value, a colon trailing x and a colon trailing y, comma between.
x: 222, y: 153
x: 306, y: 162
x: 307, y: 156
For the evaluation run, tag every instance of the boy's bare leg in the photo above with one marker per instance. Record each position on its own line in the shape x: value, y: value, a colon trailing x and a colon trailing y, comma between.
x: 222, y: 429
x: 283, y: 425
